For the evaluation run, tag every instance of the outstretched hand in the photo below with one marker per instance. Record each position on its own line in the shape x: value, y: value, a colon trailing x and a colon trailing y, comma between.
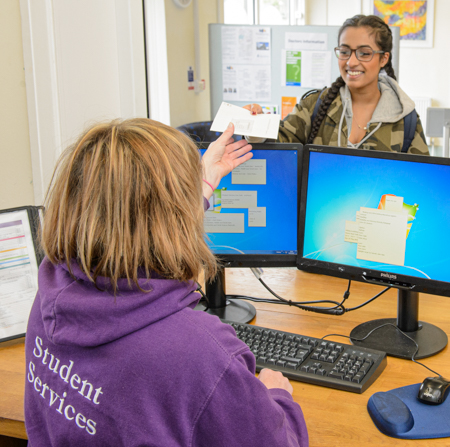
x: 221, y: 157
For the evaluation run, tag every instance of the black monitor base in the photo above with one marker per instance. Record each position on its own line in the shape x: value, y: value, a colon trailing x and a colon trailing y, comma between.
x: 430, y: 338
x: 234, y: 310
x: 222, y: 306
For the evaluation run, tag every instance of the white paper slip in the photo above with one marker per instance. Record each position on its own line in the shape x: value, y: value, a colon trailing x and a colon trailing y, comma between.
x: 264, y: 126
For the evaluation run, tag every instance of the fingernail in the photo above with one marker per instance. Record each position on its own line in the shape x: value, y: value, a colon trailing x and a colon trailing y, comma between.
x: 230, y: 125
x: 253, y: 113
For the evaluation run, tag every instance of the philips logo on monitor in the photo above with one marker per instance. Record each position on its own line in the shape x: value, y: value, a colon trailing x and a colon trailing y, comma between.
x: 388, y: 276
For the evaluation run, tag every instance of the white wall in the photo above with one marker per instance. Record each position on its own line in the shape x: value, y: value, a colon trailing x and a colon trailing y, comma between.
x: 84, y: 63
x: 16, y: 180
x: 186, y: 106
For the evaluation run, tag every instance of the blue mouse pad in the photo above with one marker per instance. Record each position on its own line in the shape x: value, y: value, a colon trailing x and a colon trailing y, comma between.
x: 399, y: 414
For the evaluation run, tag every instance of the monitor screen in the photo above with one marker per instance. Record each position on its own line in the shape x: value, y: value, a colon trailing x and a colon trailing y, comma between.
x: 377, y: 217
x: 252, y: 220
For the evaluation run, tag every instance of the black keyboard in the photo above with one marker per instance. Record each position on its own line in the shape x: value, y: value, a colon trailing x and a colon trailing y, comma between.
x: 313, y: 360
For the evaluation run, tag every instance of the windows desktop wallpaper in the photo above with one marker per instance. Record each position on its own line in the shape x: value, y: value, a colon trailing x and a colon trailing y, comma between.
x: 340, y: 186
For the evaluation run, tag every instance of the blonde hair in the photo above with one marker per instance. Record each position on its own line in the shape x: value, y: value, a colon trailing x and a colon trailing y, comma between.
x: 127, y: 196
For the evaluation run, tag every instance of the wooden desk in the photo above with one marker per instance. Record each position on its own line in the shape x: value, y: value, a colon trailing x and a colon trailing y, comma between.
x: 338, y: 418
x: 334, y: 418
x: 12, y: 381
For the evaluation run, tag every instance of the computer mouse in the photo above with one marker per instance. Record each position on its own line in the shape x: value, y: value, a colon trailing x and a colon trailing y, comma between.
x: 433, y: 390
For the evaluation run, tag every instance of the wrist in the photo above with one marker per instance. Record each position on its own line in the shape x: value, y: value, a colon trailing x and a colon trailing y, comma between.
x: 207, y: 190
x: 210, y: 179
x: 209, y: 185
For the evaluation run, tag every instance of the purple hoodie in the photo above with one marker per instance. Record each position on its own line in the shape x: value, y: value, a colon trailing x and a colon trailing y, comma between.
x: 143, y: 369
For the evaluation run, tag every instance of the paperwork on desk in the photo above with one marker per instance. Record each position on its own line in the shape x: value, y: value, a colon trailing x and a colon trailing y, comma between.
x: 264, y: 126
x: 18, y: 273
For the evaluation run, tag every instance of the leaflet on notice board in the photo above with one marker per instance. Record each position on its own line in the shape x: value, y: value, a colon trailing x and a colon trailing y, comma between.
x: 246, y: 63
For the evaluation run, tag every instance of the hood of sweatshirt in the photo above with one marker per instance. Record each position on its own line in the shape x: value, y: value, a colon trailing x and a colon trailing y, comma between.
x: 394, y: 105
x: 77, y: 313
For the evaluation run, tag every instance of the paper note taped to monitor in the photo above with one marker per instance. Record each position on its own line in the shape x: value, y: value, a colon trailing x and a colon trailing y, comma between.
x: 264, y: 126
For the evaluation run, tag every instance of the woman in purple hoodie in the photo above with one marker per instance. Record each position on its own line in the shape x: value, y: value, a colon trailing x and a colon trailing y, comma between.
x: 116, y: 355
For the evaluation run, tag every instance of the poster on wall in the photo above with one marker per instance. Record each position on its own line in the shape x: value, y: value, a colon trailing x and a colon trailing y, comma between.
x: 246, y: 83
x: 246, y: 63
x: 305, y: 61
x: 414, y: 17
x: 311, y: 69
x: 287, y: 105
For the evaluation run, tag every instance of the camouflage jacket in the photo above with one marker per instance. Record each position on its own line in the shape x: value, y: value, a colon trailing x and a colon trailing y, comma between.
x: 296, y: 127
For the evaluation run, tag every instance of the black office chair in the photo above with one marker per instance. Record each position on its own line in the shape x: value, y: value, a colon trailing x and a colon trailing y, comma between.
x: 199, y: 131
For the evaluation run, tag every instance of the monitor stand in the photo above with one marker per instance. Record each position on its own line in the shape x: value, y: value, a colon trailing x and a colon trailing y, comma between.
x: 430, y: 338
x: 223, y: 306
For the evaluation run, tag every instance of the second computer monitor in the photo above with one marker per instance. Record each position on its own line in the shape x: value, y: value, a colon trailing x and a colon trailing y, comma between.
x: 252, y: 220
x: 382, y: 218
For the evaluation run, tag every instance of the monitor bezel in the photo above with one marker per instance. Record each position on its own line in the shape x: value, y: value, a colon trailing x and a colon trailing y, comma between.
x: 360, y: 274
x: 264, y: 260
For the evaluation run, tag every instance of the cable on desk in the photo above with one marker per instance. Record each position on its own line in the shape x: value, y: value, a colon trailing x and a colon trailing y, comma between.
x: 337, y: 309
x: 398, y: 329
x: 368, y: 301
x: 204, y: 297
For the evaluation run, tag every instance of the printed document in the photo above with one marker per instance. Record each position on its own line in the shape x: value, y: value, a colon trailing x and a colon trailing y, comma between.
x: 264, y: 126
x: 18, y: 273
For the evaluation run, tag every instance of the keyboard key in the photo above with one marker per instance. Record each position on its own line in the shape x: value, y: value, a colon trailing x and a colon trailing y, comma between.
x: 291, y: 365
x: 305, y: 347
x: 291, y: 359
x: 336, y: 375
x: 358, y: 377
x: 301, y: 354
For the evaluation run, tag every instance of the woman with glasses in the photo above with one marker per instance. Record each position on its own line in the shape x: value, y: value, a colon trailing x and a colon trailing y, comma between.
x: 365, y: 107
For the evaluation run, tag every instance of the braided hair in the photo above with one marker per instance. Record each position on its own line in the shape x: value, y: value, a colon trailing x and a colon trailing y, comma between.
x: 383, y: 38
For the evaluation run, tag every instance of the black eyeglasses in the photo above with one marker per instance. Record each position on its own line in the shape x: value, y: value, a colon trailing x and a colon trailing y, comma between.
x: 363, y: 54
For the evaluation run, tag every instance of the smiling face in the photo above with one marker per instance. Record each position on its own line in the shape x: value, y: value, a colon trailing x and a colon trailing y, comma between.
x: 361, y: 76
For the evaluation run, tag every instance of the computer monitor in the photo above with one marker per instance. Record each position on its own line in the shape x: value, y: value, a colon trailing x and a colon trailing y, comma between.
x: 252, y: 221
x: 379, y: 218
